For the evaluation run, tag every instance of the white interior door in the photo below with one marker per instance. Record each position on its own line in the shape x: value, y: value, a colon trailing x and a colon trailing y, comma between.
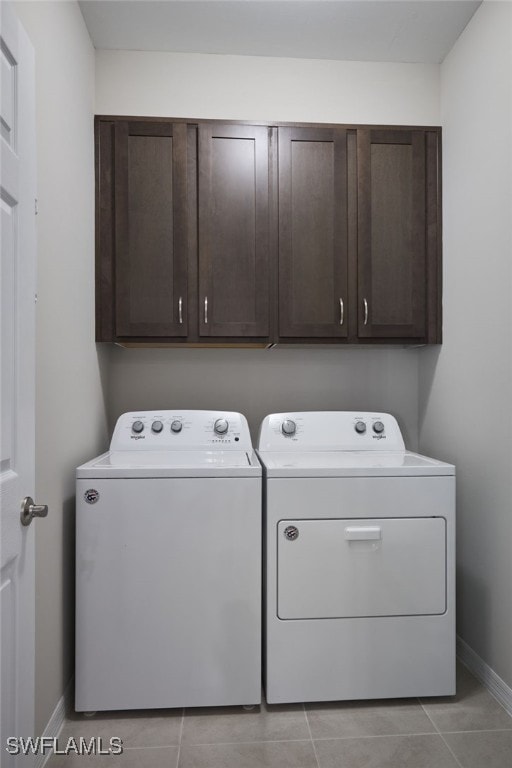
x: 17, y: 342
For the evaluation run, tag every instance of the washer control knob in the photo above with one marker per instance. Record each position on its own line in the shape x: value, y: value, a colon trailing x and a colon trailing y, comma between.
x: 157, y: 427
x: 176, y: 426
x: 378, y: 427
x: 221, y: 426
x: 360, y: 427
x: 137, y: 427
x: 288, y: 427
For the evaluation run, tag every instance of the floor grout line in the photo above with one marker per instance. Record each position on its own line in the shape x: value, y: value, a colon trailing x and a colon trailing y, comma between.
x: 180, y: 737
x: 377, y: 736
x: 479, y: 730
x: 244, y: 741
x: 322, y: 738
x: 442, y: 737
x: 451, y: 751
x: 159, y: 746
x: 311, y: 736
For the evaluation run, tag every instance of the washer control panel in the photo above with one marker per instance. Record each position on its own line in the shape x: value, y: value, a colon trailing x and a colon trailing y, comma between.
x: 221, y: 426
x: 288, y: 427
x: 181, y: 430
x: 330, y: 430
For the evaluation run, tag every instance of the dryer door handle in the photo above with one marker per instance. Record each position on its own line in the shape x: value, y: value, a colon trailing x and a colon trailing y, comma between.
x: 363, y: 533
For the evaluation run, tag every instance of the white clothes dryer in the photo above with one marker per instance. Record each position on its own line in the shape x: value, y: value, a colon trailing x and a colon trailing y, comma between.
x: 359, y: 561
x: 168, y: 565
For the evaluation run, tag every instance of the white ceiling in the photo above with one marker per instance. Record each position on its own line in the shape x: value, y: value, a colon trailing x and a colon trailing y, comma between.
x: 364, y: 30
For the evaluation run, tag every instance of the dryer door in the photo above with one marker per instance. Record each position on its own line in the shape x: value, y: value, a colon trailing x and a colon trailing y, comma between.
x: 361, y: 567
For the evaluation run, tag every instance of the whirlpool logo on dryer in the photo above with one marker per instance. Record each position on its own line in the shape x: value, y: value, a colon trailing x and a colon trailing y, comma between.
x: 138, y: 437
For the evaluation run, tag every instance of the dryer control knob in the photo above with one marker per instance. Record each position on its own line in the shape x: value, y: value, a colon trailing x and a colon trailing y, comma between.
x: 288, y: 427
x: 360, y: 427
x: 176, y: 426
x: 157, y: 427
x: 221, y: 426
x: 378, y: 427
x: 137, y: 427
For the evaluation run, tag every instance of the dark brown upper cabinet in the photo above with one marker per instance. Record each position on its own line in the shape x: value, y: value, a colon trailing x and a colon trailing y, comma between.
x: 182, y: 232
x: 313, y: 233
x: 150, y: 229
x: 233, y: 231
x: 359, y: 235
x: 392, y: 227
x: 218, y: 233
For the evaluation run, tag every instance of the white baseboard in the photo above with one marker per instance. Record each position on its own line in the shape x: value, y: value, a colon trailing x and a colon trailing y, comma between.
x: 494, y: 684
x: 55, y: 723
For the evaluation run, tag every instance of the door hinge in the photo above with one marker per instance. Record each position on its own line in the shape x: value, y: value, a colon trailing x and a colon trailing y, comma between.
x: 36, y: 209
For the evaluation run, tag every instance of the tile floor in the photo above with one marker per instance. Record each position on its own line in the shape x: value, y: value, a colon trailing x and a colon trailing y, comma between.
x: 470, y: 730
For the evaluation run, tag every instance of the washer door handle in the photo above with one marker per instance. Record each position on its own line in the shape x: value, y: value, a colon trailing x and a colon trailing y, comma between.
x: 363, y: 533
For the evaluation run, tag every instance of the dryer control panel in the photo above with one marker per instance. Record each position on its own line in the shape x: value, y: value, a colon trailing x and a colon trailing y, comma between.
x: 181, y: 430
x: 330, y: 431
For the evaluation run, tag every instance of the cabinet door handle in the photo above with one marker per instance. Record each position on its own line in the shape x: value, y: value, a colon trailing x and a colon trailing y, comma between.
x: 206, y: 310
x: 365, y: 312
x: 180, y: 310
x: 342, y: 312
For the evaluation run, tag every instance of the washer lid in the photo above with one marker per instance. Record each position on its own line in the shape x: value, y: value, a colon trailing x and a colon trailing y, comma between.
x: 351, y: 464
x: 119, y: 464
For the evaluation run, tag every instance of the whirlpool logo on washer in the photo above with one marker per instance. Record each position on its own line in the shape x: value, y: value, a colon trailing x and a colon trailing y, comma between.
x: 91, y: 495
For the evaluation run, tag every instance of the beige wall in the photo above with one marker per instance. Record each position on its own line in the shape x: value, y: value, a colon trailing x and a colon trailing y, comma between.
x: 71, y: 423
x: 265, y: 88
x: 257, y: 382
x: 245, y: 87
x: 466, y: 386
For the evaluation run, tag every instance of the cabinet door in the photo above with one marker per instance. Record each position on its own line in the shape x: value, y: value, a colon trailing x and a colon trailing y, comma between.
x: 313, y: 232
x: 392, y: 280
x: 150, y: 229
x: 233, y: 231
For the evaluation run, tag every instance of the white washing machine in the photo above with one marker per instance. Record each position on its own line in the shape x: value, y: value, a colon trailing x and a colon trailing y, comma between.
x: 360, y: 561
x: 168, y: 565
